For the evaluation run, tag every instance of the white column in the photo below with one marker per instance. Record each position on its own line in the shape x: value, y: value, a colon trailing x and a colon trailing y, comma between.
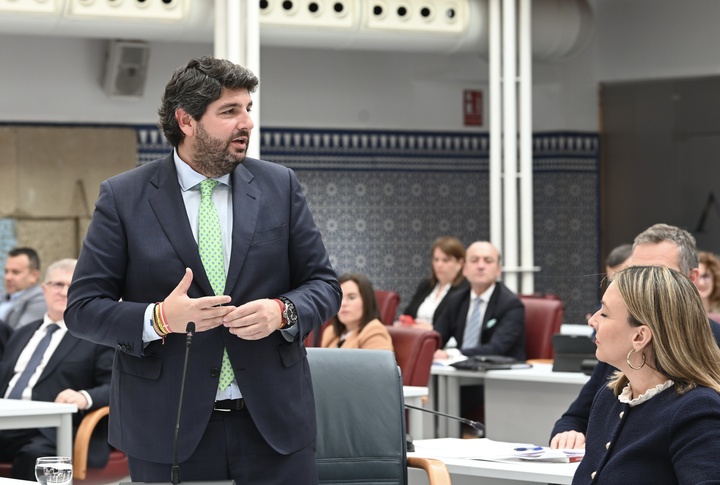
x: 527, y: 233
x: 510, y: 170
x: 237, y: 39
x: 495, y: 124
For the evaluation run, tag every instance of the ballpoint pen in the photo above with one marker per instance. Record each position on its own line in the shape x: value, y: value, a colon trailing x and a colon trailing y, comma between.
x: 535, y: 448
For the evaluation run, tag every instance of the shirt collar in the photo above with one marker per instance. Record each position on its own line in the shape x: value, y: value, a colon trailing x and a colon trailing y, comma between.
x: 189, y: 178
x: 485, y: 295
x: 47, y: 321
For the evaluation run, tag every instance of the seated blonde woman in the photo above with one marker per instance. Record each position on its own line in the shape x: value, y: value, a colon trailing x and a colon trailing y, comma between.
x: 658, y: 419
x: 357, y: 325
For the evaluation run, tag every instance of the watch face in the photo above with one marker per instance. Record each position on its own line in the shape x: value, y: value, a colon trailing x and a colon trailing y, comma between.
x: 290, y: 314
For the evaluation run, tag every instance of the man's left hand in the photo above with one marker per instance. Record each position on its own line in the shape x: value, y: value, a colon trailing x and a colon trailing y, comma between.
x: 254, y: 320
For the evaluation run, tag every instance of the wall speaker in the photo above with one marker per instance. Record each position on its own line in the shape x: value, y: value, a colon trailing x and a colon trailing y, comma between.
x: 126, y: 68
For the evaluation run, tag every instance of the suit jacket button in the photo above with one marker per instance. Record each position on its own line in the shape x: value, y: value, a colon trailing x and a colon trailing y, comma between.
x: 214, y: 372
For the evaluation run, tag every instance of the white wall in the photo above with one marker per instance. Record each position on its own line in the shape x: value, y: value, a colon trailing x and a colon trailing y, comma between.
x: 57, y: 79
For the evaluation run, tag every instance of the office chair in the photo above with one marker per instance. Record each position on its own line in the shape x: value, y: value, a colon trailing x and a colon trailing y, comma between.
x: 543, y: 317
x: 116, y: 468
x: 414, y: 350
x: 387, y: 303
x: 361, y: 419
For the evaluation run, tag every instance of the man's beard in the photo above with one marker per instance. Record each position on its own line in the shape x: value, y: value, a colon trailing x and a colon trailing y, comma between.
x: 213, y: 157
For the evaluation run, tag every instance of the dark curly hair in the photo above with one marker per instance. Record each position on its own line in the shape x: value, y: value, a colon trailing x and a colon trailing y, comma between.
x: 194, y: 86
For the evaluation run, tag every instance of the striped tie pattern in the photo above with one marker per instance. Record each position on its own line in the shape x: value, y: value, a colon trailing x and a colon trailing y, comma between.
x: 471, y: 337
x: 211, y: 253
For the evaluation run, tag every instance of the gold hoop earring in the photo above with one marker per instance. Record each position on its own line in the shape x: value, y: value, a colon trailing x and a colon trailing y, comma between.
x: 630, y: 364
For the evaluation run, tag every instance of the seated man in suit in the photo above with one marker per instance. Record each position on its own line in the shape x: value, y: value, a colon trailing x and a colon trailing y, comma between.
x: 23, y: 301
x: 44, y: 362
x: 658, y: 245
x: 489, y: 319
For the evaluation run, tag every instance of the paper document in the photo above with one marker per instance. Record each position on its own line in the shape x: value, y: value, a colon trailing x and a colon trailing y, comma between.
x: 489, y: 450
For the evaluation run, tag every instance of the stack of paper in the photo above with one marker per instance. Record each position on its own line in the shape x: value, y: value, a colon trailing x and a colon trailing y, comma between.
x: 543, y: 453
x: 489, y: 450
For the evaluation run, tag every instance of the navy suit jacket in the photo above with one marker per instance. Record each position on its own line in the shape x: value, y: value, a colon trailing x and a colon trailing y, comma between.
x: 75, y: 364
x: 577, y: 416
x: 503, y: 327
x: 137, y: 248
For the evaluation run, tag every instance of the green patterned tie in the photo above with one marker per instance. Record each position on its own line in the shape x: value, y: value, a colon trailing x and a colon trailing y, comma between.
x: 211, y: 253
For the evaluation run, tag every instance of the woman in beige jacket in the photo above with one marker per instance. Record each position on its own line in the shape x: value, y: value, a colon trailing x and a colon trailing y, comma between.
x: 357, y: 325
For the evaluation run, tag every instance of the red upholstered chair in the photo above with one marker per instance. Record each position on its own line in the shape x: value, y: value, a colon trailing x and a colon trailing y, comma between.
x: 543, y: 317
x: 414, y: 351
x: 116, y: 468
x: 388, y: 302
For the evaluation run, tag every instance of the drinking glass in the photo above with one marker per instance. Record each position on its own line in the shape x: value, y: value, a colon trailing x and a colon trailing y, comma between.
x: 54, y: 470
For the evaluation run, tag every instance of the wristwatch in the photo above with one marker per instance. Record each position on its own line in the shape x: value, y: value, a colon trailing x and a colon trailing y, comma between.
x: 289, y: 313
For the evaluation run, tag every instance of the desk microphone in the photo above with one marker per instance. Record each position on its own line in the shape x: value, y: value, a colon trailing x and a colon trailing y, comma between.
x: 475, y: 424
x: 175, y: 469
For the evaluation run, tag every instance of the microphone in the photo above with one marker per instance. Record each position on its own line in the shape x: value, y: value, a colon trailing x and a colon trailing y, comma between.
x: 477, y: 425
x: 175, y: 470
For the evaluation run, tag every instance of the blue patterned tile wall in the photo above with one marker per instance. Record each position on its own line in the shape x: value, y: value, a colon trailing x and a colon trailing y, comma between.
x: 381, y: 197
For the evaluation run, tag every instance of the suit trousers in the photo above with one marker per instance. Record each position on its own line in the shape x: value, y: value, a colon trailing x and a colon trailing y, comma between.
x: 232, y: 447
x: 22, y: 447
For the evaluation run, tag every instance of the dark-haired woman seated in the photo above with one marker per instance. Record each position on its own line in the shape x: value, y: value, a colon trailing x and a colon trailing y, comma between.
x: 357, y: 324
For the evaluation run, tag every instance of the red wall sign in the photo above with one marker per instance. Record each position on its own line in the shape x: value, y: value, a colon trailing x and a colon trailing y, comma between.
x: 473, y: 107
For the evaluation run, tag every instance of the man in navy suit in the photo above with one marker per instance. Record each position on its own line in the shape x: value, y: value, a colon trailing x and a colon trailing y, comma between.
x: 658, y: 245
x: 68, y: 370
x: 142, y: 276
x: 502, y: 314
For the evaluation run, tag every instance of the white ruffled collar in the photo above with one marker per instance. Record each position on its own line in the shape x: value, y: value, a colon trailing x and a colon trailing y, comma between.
x: 625, y: 396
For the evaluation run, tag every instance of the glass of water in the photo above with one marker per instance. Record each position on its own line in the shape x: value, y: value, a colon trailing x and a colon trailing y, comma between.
x: 54, y: 470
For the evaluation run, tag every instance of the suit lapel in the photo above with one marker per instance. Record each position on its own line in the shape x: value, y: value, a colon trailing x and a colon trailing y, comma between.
x: 246, y: 210
x: 13, y: 350
x: 166, y: 201
x: 66, y: 345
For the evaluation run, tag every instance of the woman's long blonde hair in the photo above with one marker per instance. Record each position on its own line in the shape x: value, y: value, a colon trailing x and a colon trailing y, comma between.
x: 683, y: 344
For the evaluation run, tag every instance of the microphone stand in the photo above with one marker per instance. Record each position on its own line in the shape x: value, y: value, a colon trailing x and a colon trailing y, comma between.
x: 175, y: 470
x: 474, y: 424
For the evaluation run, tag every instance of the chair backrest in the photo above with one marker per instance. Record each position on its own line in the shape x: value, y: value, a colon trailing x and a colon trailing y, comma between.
x: 360, y: 416
x: 414, y: 351
x: 543, y: 317
x: 388, y: 302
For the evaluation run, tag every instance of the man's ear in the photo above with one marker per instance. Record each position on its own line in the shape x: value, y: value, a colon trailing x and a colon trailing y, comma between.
x: 185, y: 122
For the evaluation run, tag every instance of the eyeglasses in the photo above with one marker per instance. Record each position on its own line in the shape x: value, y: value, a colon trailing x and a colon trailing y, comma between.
x: 57, y: 285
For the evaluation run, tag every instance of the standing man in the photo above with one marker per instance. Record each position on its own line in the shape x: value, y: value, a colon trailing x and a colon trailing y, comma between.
x: 44, y: 362
x: 489, y: 319
x: 208, y: 236
x: 23, y: 300
x: 658, y: 245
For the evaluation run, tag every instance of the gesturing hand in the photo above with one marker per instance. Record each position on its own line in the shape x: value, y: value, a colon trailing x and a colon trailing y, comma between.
x: 179, y: 309
x: 254, y: 320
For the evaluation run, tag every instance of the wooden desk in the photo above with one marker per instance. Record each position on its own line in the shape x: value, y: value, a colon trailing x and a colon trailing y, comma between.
x: 521, y: 405
x: 20, y: 414
x: 468, y: 472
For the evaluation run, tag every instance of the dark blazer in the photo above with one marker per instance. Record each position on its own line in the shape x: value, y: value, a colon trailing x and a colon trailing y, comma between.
x: 137, y: 248
x: 5, y: 332
x: 577, y: 415
x: 75, y: 364
x: 503, y: 327
x: 667, y: 440
x: 422, y: 292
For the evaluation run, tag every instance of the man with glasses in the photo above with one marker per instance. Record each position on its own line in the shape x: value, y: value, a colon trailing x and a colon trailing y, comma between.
x: 23, y: 300
x: 44, y: 362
